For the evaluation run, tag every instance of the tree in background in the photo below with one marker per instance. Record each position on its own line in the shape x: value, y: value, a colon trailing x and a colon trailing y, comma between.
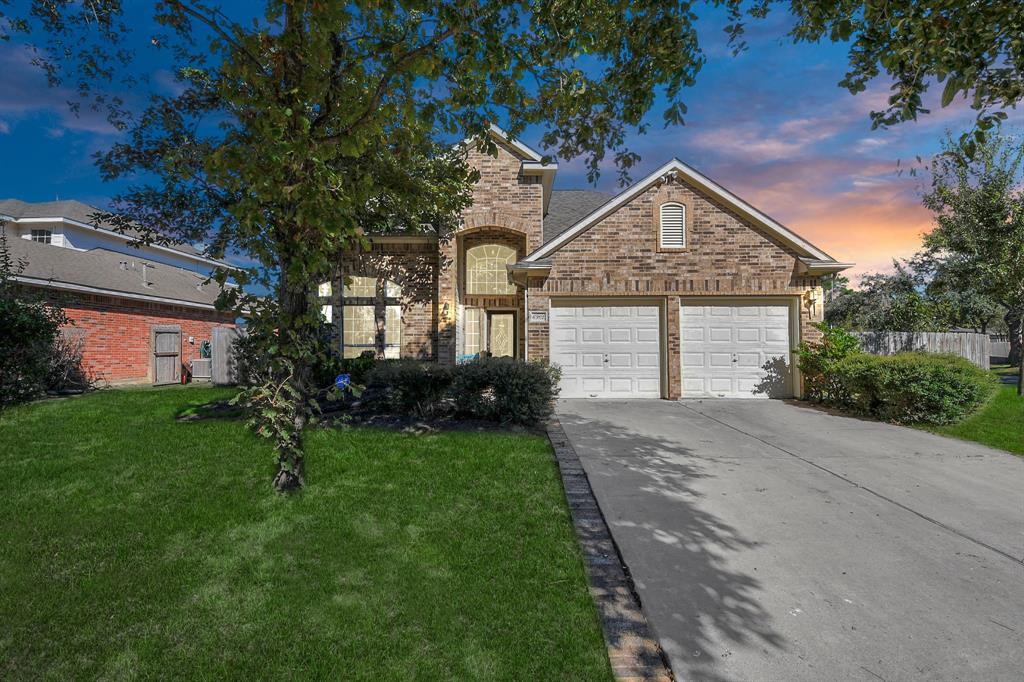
x: 884, y: 302
x: 979, y: 233
x: 918, y: 295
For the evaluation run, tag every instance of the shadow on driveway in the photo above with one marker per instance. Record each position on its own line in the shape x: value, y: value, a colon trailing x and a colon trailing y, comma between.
x: 692, y: 549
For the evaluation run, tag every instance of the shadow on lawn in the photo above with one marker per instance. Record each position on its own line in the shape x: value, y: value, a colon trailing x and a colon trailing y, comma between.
x: 218, y: 409
x: 714, y: 604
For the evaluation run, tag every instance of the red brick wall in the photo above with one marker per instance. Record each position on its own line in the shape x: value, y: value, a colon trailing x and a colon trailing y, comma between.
x: 117, y: 333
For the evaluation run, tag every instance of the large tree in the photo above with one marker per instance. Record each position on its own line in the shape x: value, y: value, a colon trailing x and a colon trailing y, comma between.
x: 297, y: 126
x: 293, y: 132
x: 979, y: 232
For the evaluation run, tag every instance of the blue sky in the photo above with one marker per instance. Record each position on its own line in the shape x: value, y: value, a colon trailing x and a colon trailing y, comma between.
x: 770, y: 124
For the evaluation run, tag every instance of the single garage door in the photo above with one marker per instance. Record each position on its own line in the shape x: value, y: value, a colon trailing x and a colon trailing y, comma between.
x: 607, y: 352
x: 736, y: 351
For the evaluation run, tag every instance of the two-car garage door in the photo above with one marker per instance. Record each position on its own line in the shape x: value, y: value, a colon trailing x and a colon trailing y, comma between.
x: 737, y: 351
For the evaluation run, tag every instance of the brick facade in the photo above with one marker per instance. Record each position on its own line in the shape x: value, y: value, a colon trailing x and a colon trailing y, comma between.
x: 504, y: 201
x: 116, y: 333
x: 413, y: 265
x: 727, y: 256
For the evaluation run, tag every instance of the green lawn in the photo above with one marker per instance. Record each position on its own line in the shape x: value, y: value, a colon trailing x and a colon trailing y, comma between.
x: 999, y: 424
x: 133, y: 545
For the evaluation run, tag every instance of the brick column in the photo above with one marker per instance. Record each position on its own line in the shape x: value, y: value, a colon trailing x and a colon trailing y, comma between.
x: 537, y: 333
x: 447, y: 300
x: 673, y: 349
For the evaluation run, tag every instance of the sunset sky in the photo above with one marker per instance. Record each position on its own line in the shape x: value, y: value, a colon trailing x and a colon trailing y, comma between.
x: 772, y: 125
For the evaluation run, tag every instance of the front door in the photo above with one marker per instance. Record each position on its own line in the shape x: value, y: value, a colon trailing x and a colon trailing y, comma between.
x: 166, y: 354
x: 501, y: 331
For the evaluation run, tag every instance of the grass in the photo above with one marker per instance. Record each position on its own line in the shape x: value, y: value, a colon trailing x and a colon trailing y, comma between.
x: 999, y: 424
x: 134, y: 545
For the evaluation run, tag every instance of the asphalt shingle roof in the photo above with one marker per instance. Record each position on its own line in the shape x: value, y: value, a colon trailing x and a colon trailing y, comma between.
x: 110, y: 270
x: 568, y: 206
x: 73, y: 210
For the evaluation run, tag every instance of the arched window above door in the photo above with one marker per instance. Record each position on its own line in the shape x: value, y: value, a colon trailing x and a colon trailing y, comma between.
x: 486, y: 271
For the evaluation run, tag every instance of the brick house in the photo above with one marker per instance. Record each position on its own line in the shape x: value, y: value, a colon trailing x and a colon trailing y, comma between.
x: 673, y: 288
x: 141, y: 313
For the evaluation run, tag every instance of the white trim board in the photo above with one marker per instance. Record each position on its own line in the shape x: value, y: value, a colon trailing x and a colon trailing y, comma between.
x: 702, y: 182
x: 66, y: 286
x: 127, y: 238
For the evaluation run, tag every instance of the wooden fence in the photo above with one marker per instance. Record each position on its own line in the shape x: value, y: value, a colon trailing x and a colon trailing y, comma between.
x: 975, y: 347
x: 223, y: 354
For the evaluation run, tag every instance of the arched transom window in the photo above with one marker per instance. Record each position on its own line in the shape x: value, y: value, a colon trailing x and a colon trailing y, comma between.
x: 485, y: 269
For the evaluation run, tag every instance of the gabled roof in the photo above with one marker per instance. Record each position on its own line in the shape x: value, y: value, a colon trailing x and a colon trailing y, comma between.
x: 108, y: 272
x: 698, y: 180
x: 568, y: 206
x: 531, y: 160
x: 80, y: 214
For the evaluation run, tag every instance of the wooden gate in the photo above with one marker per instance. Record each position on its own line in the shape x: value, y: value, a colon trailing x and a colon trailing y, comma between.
x: 166, y: 344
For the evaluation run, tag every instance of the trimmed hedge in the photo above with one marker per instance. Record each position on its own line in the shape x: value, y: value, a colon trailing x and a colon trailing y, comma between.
x: 911, y: 388
x: 411, y: 386
x: 496, y: 389
x: 506, y: 390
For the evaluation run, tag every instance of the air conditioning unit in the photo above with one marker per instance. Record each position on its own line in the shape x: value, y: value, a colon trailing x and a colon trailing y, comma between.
x: 202, y: 369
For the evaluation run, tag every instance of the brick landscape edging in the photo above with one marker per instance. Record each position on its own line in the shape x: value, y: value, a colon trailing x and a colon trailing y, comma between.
x: 633, y: 650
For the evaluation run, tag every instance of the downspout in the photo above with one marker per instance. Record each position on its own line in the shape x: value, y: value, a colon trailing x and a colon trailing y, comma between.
x: 526, y: 321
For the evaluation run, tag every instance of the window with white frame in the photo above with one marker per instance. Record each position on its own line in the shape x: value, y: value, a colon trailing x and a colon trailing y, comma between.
x: 41, y: 236
x: 486, y: 271
x: 371, y: 317
x: 672, y: 232
x: 326, y: 309
x: 473, y: 331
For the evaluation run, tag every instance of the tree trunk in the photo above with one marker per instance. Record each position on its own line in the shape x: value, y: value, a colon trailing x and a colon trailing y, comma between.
x: 291, y: 465
x: 1015, y: 324
x: 297, y: 342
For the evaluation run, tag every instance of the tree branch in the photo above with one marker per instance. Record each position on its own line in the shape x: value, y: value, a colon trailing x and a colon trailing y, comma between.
x: 382, y: 84
x: 214, y: 26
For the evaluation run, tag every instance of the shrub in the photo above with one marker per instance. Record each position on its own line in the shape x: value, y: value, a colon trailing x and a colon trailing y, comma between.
x: 912, y: 388
x: 496, y: 389
x: 817, y: 360
x: 506, y: 390
x: 410, y: 386
x: 66, y: 371
x: 28, y: 332
x: 357, y: 368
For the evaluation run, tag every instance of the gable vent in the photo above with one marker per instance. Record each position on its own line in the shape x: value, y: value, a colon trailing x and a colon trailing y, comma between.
x: 673, y: 226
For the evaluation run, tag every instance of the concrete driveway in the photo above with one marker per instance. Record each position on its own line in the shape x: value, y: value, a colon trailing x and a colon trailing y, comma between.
x: 772, y: 541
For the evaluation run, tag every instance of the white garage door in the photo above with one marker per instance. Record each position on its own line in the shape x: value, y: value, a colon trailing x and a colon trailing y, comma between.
x: 736, y: 351
x: 607, y: 352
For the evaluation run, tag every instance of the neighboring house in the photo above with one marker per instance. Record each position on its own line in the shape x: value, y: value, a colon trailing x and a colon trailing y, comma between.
x: 673, y: 288
x: 141, y: 312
